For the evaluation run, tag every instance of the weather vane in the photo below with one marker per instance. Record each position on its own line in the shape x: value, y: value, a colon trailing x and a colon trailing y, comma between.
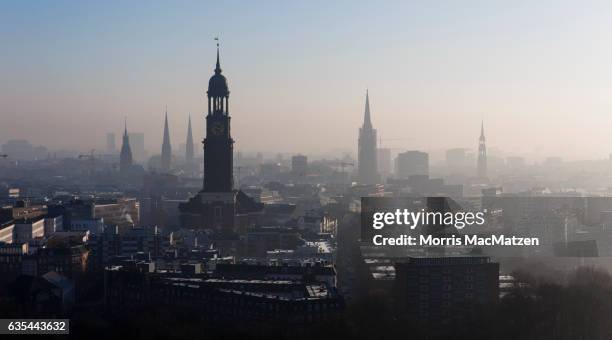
x: 217, y: 40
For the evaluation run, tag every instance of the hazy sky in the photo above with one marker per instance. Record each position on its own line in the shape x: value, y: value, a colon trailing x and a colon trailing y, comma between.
x: 539, y: 73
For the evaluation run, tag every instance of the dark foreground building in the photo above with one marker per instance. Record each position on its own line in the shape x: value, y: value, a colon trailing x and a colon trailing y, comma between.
x: 226, y: 304
x: 442, y: 291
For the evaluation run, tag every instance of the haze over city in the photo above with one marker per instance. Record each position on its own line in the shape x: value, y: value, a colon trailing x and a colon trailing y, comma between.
x: 538, y: 75
x: 306, y: 169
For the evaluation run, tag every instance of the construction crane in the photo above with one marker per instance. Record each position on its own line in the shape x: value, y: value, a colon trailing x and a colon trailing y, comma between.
x: 92, y: 159
x: 342, y: 164
x: 89, y: 155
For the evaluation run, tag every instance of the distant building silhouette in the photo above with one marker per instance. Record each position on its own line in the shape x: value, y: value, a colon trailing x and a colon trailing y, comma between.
x: 460, y: 161
x: 367, y: 160
x: 21, y: 149
x: 166, y: 153
x: 125, y: 158
x: 189, y: 144
x: 110, y: 143
x: 383, y: 156
x: 430, y: 290
x: 482, y: 154
x: 299, y: 166
x: 137, y: 142
x: 411, y: 163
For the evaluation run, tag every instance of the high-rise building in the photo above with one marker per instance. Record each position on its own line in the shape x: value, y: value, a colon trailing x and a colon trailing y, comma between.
x: 110, y: 143
x: 189, y: 144
x: 299, y: 165
x: 125, y: 158
x: 431, y: 290
x: 137, y: 144
x: 411, y: 163
x: 21, y: 149
x: 456, y: 160
x: 166, y: 152
x: 383, y: 156
x: 482, y: 154
x: 367, y: 163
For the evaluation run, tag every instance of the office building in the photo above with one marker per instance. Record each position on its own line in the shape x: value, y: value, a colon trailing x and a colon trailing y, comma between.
x: 411, y: 163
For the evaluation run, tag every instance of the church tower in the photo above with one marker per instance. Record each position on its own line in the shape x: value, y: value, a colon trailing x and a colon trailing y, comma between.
x: 125, y: 158
x: 218, y: 204
x: 166, y: 154
x: 218, y: 144
x: 367, y: 161
x: 189, y: 144
x: 218, y: 195
x: 482, y: 153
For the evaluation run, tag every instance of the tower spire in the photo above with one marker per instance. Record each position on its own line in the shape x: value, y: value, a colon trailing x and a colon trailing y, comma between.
x: 367, y: 121
x: 218, y: 67
x: 216, y: 204
x: 166, y: 154
x: 166, y: 132
x: 189, y: 143
x: 482, y: 134
x: 482, y: 153
x: 125, y: 157
x: 367, y: 150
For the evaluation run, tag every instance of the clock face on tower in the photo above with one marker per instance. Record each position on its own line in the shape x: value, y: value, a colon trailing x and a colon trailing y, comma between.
x: 217, y: 128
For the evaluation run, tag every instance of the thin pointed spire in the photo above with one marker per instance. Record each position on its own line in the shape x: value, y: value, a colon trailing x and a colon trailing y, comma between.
x: 189, y: 143
x: 125, y: 157
x: 482, y: 153
x: 367, y: 121
x: 482, y: 133
x: 166, y: 154
x: 166, y: 130
x: 367, y: 163
x: 218, y: 67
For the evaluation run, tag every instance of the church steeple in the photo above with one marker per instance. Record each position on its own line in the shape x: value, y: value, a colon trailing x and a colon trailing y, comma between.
x: 218, y: 144
x: 482, y: 153
x: 218, y: 67
x: 215, y: 206
x: 218, y: 91
x: 125, y: 158
x: 367, y: 151
x: 482, y: 134
x: 166, y: 154
x: 367, y: 121
x: 189, y: 144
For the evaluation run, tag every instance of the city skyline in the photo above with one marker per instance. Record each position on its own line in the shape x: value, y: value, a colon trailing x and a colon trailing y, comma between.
x: 306, y: 170
x: 314, y: 79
